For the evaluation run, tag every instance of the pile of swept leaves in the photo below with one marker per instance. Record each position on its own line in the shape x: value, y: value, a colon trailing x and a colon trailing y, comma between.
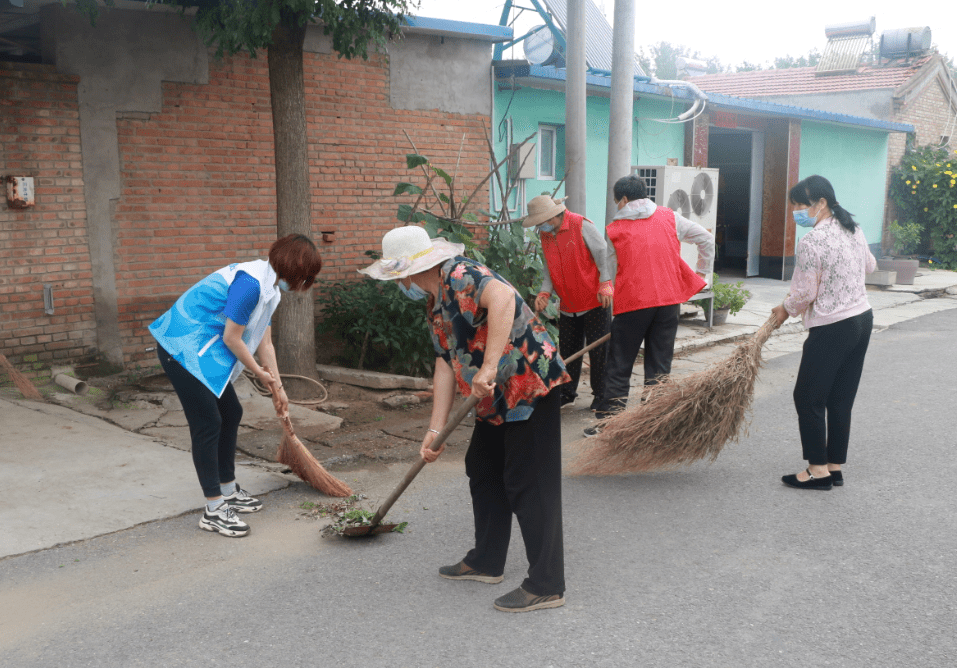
x: 344, y: 514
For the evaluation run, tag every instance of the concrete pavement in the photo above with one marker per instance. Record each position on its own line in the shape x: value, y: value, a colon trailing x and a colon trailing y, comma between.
x: 68, y: 476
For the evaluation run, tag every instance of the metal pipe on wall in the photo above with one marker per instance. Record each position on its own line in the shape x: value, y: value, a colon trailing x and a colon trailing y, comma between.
x: 575, y: 127
x: 620, y: 123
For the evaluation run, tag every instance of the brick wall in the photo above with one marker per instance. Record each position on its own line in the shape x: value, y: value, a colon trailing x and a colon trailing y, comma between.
x: 198, y: 179
x: 47, y: 244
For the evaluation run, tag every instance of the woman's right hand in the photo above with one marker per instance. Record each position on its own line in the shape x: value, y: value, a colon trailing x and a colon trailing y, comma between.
x: 265, y: 377
x: 428, y: 454
x: 541, y: 301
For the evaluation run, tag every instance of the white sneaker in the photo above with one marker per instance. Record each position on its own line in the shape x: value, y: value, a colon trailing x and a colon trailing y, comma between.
x: 223, y: 520
x: 241, y: 502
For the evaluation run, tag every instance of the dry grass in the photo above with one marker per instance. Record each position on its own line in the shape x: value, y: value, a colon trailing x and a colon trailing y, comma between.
x: 683, y: 420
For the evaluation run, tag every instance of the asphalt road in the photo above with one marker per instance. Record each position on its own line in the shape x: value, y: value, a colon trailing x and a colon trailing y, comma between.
x: 712, y: 565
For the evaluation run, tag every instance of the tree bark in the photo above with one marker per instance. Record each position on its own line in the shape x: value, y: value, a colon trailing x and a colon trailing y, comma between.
x: 295, y: 319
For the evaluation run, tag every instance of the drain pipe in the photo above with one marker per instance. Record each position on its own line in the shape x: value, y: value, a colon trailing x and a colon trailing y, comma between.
x: 700, y: 98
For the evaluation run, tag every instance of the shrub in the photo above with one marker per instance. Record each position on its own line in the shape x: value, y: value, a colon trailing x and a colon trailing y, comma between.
x: 906, y: 237
x: 924, y: 186
x: 380, y: 328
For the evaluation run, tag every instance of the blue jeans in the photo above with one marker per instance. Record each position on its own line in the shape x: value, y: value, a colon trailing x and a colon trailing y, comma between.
x: 213, y: 424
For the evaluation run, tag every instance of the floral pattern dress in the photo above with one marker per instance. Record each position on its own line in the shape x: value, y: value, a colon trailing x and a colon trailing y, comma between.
x: 530, y: 366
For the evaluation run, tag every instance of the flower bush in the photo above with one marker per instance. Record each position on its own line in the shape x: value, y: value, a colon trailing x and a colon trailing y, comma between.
x: 924, y: 186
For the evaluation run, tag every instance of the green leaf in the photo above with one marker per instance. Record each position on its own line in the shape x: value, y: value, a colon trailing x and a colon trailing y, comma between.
x: 444, y: 197
x: 404, y: 212
x: 403, y: 187
x: 445, y: 175
x: 413, y: 160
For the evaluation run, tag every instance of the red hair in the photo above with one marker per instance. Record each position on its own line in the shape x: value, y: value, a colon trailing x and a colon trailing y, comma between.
x: 296, y: 260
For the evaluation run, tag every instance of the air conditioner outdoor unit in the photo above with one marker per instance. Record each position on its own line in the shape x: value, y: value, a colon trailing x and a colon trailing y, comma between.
x: 690, y: 191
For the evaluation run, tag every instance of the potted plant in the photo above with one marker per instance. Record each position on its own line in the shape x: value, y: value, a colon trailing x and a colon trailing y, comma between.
x: 729, y: 298
x: 906, y: 240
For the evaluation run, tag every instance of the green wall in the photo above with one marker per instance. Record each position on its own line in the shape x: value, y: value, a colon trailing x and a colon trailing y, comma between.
x: 652, y: 142
x: 854, y: 160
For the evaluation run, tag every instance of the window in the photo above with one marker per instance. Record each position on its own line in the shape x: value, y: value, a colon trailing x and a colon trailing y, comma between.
x: 546, y: 152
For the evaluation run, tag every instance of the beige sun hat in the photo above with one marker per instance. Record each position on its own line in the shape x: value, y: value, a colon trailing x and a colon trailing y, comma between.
x: 408, y: 250
x: 542, y: 208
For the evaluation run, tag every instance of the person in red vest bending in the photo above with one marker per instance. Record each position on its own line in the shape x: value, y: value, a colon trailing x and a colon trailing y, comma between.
x: 651, y: 283
x: 577, y: 271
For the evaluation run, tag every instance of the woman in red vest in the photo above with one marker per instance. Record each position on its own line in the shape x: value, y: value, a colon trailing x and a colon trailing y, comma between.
x: 651, y: 282
x: 576, y: 270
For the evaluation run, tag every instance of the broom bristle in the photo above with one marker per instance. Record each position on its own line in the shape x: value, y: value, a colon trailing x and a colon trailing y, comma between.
x: 27, y: 389
x: 297, y: 457
x: 681, y: 421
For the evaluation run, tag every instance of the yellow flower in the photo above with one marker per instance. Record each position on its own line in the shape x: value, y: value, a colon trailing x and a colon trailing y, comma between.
x: 918, y: 182
x: 914, y: 167
x: 935, y: 185
x: 908, y: 183
x: 925, y: 208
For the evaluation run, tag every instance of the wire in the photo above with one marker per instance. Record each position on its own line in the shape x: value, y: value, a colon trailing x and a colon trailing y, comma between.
x: 264, y: 391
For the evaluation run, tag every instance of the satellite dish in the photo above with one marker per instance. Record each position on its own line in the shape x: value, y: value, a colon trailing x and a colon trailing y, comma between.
x: 541, y: 47
x: 702, y: 194
x: 680, y: 202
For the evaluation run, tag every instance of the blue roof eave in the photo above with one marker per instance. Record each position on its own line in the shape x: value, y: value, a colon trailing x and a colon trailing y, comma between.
x: 447, y: 28
x: 723, y: 101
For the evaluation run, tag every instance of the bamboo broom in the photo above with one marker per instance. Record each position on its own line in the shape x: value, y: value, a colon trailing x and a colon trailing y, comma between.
x: 27, y: 389
x: 682, y: 420
x: 297, y: 457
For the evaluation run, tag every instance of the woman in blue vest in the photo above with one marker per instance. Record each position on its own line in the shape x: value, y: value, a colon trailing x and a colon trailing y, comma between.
x: 206, y: 340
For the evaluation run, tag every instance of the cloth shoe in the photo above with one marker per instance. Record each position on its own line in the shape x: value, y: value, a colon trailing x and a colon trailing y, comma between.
x: 520, y: 600
x: 223, y: 520
x: 594, y: 430
x: 823, y: 484
x: 241, y: 502
x: 462, y: 571
x: 838, y: 478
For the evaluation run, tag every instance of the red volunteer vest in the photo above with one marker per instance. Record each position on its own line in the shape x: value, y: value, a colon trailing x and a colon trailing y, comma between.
x: 571, y: 266
x: 650, y: 269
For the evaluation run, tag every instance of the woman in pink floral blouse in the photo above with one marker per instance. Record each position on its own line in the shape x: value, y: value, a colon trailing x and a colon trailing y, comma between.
x: 827, y: 291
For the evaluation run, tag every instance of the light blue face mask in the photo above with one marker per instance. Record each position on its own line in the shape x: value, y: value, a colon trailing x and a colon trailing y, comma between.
x: 545, y: 227
x: 803, y: 218
x: 283, y: 285
x: 414, y: 292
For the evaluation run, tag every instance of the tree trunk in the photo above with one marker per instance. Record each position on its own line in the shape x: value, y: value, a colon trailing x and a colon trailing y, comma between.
x: 295, y: 319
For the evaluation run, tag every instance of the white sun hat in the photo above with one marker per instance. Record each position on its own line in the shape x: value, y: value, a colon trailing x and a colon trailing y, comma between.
x: 408, y: 250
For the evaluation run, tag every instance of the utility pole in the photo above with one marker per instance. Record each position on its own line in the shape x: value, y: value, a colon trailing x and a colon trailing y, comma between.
x: 620, y: 123
x: 575, y: 129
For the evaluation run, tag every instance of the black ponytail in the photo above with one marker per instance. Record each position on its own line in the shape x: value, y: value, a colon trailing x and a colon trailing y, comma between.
x: 815, y: 188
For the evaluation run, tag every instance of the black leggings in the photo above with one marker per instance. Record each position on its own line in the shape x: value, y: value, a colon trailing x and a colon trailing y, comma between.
x: 827, y: 384
x: 573, y: 333
x: 213, y: 424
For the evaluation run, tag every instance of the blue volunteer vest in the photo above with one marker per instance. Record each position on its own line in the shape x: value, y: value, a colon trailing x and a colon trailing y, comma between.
x: 192, y: 330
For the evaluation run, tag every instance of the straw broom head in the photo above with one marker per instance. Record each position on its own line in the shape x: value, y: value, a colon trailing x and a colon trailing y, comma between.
x: 27, y: 389
x: 682, y: 420
x: 297, y: 457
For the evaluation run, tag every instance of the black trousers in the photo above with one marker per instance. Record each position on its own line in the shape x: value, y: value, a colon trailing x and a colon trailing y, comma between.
x: 213, y: 424
x: 516, y: 468
x: 656, y: 328
x: 826, y: 386
x: 574, y: 333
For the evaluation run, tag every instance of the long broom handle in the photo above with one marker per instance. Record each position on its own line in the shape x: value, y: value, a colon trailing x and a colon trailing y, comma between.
x: 593, y: 344
x: 454, y: 419
x: 457, y: 416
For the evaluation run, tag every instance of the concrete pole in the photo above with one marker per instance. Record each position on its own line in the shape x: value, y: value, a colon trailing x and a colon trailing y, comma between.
x: 620, y: 123
x: 575, y: 129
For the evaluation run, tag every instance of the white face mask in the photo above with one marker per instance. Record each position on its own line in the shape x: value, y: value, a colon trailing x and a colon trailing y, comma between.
x: 413, y: 292
x: 283, y: 285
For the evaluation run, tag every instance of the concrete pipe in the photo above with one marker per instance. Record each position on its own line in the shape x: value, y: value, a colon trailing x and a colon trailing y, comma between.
x: 75, y: 385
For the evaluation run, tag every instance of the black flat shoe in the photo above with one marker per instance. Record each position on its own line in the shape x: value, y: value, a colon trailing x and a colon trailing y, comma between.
x: 838, y: 478
x: 824, y: 484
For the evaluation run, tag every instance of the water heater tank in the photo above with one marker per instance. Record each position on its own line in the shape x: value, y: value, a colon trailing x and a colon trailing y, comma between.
x: 541, y: 47
x: 904, y: 42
